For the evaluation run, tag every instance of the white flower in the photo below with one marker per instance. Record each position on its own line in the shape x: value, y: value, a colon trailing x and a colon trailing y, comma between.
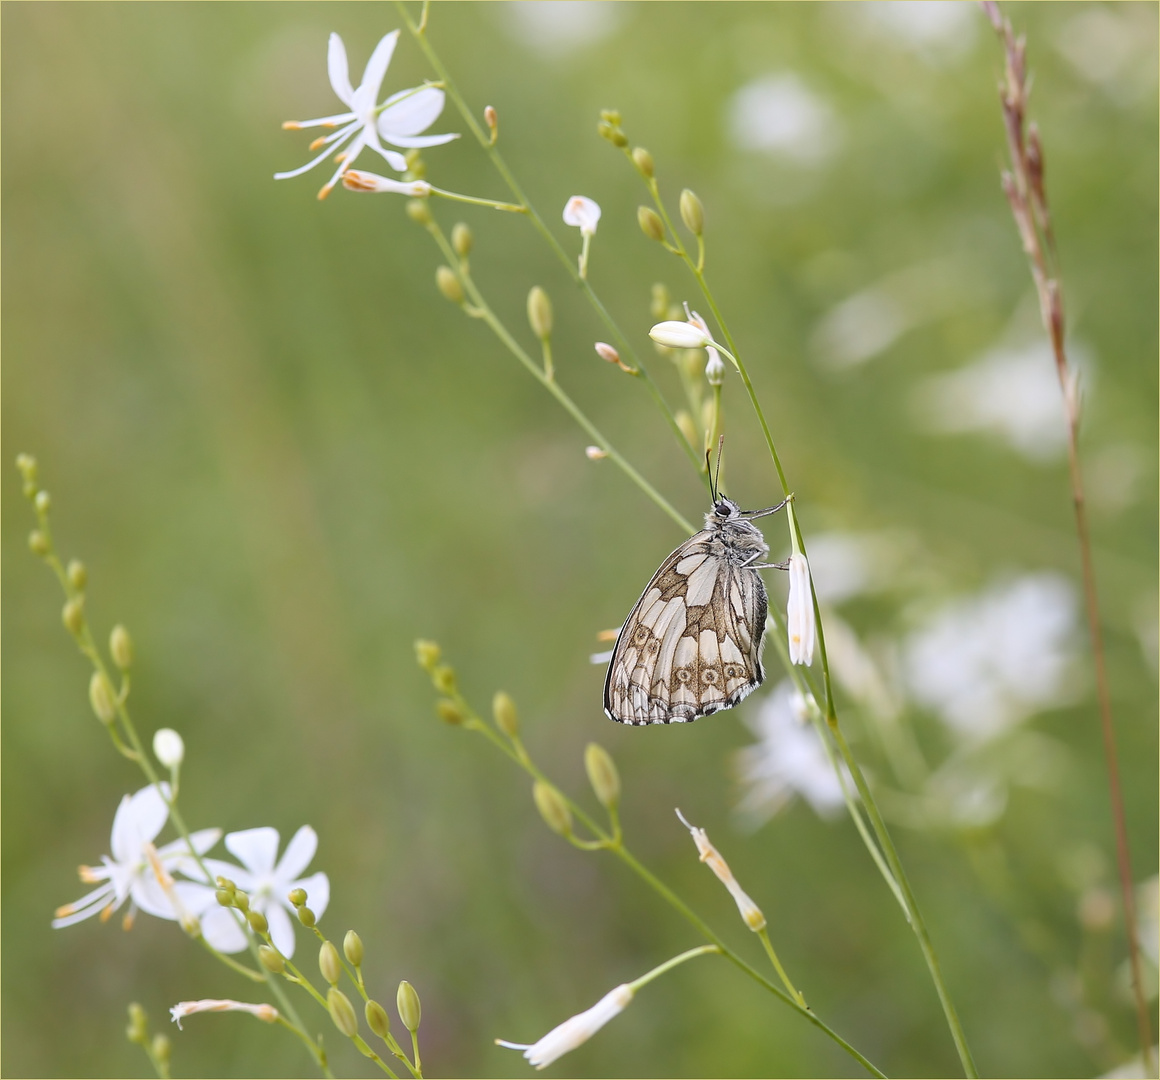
x: 575, y: 1030
x: 358, y: 180
x: 787, y: 760
x: 680, y: 335
x: 129, y: 874
x: 799, y: 612
x: 168, y: 747
x: 267, y: 884
x: 583, y: 213
x: 187, y: 1008
x: 712, y: 858
x: 398, y: 120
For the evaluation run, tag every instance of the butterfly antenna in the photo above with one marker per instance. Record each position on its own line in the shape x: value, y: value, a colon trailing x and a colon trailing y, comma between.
x: 709, y: 474
x: 717, y: 478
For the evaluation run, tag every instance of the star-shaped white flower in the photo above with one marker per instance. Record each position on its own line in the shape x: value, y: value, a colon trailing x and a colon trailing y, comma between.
x: 129, y: 874
x: 268, y: 884
x: 399, y: 120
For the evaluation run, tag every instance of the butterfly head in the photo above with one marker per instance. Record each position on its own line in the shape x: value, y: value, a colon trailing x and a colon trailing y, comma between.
x: 724, y: 509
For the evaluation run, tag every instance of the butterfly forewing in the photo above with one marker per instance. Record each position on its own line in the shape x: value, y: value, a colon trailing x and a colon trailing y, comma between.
x: 692, y: 644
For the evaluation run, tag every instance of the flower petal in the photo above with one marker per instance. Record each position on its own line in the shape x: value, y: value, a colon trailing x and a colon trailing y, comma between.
x: 241, y: 877
x: 87, y: 905
x: 281, y: 929
x: 175, y: 855
x: 138, y: 820
x: 411, y: 111
x: 150, y: 897
x: 219, y: 927
x: 394, y: 159
x: 317, y: 888
x: 296, y: 858
x: 419, y: 141
x: 336, y: 67
x: 256, y: 848
x: 368, y: 91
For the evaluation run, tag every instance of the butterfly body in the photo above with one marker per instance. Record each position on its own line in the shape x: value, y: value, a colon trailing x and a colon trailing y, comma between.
x: 692, y: 644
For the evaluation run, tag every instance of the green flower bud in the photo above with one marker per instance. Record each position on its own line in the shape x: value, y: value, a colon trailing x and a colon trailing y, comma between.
x: 444, y: 679
x: 161, y: 1048
x: 449, y: 284
x: 605, y: 130
x: 602, y: 775
x: 449, y: 712
x: 352, y: 946
x: 306, y: 917
x: 650, y: 223
x: 407, y: 1002
x: 43, y: 502
x: 540, y: 313
x: 377, y: 1019
x: 462, y: 239
x: 342, y: 1012
x: 224, y: 883
x: 611, y: 116
x: 102, y: 699
x: 644, y: 161
x: 37, y: 542
x: 241, y: 900
x: 297, y: 897
x: 272, y: 959
x: 78, y: 576
x: 138, y: 1029
x: 418, y: 211
x: 506, y: 717
x: 329, y: 963
x: 257, y: 922
x: 121, y: 647
x: 73, y: 615
x: 552, y: 808
x: 427, y: 653
x: 224, y: 897
x: 26, y: 463
x: 692, y: 212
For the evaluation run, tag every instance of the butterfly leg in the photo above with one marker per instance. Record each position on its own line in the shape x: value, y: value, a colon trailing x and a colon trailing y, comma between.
x: 767, y: 565
x: 766, y: 512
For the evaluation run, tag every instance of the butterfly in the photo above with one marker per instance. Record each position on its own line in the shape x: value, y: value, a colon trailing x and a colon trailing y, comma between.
x: 692, y: 644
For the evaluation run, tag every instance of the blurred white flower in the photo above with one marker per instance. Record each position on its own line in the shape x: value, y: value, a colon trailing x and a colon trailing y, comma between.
x: 398, y: 120
x: 575, y: 1030
x: 1113, y: 49
x: 129, y: 875
x: 1010, y: 393
x: 799, y: 612
x: 582, y: 213
x: 187, y: 1008
x: 268, y: 885
x: 788, y: 760
x: 562, y: 26
x: 986, y: 663
x: 932, y: 28
x: 779, y: 116
x: 168, y: 747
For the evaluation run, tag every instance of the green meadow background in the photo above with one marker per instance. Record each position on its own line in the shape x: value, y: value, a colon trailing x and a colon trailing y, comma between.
x: 283, y: 456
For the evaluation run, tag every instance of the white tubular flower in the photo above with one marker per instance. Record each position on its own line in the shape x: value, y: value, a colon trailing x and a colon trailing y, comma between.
x: 187, y: 1008
x: 358, y: 180
x: 268, y: 885
x: 582, y: 213
x: 575, y: 1030
x: 712, y: 858
x: 680, y: 335
x: 398, y: 120
x: 168, y: 747
x: 129, y: 873
x: 799, y: 614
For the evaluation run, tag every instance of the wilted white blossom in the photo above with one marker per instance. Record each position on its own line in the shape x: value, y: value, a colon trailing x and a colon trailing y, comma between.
x: 799, y: 612
x: 575, y: 1030
x: 187, y: 1008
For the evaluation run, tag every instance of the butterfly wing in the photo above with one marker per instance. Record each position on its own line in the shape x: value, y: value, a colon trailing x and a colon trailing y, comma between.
x: 692, y: 644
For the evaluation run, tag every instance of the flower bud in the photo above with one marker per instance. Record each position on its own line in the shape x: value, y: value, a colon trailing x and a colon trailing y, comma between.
x: 680, y: 335
x: 241, y: 900
x: 329, y: 963
x: 224, y: 897
x: 610, y: 116
x: 224, y: 883
x: 507, y: 719
x: 37, y: 542
x: 306, y: 917
x: 121, y: 647
x: 257, y: 921
x: 73, y: 615
x: 26, y: 463
x: 138, y: 1028
x: 595, y: 453
x: 427, y: 653
x: 491, y: 118
x: 168, y: 747
x: 419, y: 212
x: 552, y: 808
x: 688, y: 427
x: 444, y: 679
x: 715, y: 368
x: 449, y: 712
x: 650, y: 223
x: 342, y: 1012
x: 102, y: 699
x: 43, y: 502
x: 78, y: 576
x: 377, y: 1019
x: 271, y: 959
x: 162, y: 1048
x: 449, y: 285
x: 692, y: 212
x: 352, y: 946
x: 297, y: 897
x: 407, y: 1002
x: 540, y: 313
x: 644, y: 161
x: 461, y: 239
x: 602, y: 775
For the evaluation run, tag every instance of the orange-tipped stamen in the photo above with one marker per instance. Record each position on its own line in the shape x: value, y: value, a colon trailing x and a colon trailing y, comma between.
x: 127, y: 921
x: 107, y: 912
x: 88, y: 874
x: 318, y: 143
x: 63, y: 910
x: 291, y: 125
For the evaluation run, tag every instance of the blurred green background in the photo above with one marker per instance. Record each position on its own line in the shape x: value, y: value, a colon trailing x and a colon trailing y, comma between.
x: 283, y: 456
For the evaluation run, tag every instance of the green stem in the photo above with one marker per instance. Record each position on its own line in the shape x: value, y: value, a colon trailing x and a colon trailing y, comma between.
x: 795, y: 993
x: 668, y: 965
